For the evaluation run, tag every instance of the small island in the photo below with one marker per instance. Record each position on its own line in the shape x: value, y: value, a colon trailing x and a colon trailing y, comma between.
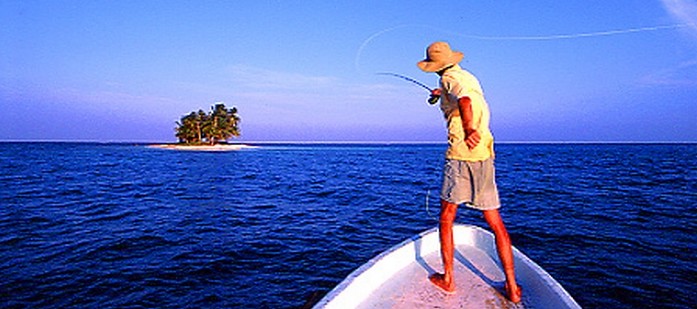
x: 210, y: 131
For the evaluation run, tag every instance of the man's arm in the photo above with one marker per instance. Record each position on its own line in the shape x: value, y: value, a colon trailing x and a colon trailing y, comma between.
x: 471, y: 135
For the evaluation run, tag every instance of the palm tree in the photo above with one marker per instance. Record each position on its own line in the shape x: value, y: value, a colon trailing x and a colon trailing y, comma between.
x: 187, y: 128
x: 213, y: 127
x: 219, y: 125
x: 223, y: 123
x: 232, y: 128
x: 201, y: 120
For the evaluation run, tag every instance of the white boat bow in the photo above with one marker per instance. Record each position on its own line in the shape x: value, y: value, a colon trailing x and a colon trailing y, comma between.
x: 398, y: 277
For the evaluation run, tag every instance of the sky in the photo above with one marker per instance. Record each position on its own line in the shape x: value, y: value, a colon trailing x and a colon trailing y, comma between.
x: 305, y: 71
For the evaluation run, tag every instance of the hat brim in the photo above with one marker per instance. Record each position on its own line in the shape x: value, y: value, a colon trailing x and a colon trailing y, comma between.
x: 427, y: 65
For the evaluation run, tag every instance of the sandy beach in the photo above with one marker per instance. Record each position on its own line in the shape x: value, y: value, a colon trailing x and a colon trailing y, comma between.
x: 219, y: 147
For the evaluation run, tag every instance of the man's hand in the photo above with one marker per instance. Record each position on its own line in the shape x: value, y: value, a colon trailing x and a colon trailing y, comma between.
x: 472, y: 138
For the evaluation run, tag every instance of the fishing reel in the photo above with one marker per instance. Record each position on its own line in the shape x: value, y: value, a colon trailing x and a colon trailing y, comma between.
x: 433, y: 99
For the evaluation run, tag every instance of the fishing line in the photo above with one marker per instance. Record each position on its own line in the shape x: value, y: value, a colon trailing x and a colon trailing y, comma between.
x: 571, y: 35
x: 428, y: 194
x: 551, y: 37
x: 370, y: 38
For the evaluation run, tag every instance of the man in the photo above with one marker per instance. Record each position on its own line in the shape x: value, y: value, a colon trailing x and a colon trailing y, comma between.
x: 468, y: 176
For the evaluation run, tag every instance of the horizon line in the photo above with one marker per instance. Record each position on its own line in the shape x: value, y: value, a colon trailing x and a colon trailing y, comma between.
x: 336, y: 142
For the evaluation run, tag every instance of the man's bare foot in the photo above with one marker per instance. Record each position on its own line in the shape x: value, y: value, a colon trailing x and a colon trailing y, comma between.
x: 515, y: 294
x: 439, y: 281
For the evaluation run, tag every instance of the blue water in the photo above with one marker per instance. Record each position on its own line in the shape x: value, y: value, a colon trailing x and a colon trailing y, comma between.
x: 121, y: 226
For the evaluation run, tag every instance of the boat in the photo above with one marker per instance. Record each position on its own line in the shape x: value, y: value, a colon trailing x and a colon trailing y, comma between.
x: 398, y: 277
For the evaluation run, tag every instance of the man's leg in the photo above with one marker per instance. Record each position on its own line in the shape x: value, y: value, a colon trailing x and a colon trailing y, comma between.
x: 447, y: 247
x: 503, y: 246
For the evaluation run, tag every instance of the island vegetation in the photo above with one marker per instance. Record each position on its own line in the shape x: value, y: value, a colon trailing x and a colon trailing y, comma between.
x: 212, y: 128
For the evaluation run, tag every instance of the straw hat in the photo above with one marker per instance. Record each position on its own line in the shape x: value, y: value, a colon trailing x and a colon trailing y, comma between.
x: 438, y: 57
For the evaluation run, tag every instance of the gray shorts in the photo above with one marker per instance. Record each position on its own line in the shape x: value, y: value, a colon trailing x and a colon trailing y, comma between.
x: 470, y: 183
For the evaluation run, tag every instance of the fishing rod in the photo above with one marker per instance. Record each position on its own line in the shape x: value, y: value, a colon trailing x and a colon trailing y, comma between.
x: 431, y: 100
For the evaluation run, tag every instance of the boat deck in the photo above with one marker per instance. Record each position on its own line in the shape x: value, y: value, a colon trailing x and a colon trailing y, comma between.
x: 398, y: 277
x: 479, y: 284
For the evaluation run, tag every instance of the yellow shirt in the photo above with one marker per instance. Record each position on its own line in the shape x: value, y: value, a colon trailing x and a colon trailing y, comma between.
x: 457, y: 83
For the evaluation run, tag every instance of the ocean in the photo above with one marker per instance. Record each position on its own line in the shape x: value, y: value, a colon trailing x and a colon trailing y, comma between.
x: 86, y: 225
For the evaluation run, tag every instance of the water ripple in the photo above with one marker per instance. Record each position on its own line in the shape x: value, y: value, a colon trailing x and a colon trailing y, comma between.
x: 92, y: 225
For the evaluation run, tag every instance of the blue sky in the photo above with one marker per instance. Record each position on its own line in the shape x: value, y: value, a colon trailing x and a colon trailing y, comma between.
x: 305, y: 70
